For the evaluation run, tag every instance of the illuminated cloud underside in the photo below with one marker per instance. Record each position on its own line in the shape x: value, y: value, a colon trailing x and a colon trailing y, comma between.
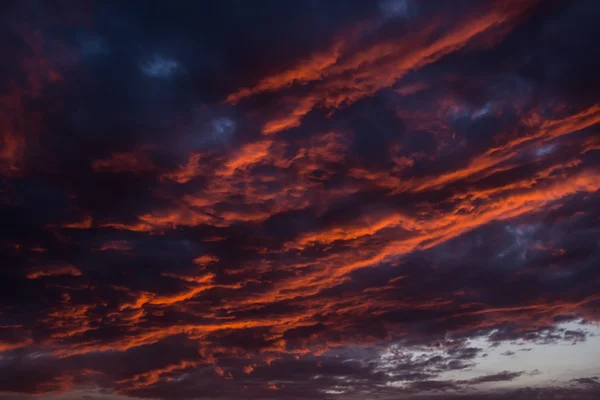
x: 331, y: 200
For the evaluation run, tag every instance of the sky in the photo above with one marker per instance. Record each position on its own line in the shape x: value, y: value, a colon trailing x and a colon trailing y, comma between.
x: 303, y: 200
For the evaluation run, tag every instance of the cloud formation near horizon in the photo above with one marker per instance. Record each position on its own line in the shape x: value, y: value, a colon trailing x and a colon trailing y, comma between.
x: 304, y: 200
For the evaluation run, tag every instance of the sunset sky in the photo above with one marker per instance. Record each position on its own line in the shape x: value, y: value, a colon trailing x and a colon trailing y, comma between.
x: 302, y: 200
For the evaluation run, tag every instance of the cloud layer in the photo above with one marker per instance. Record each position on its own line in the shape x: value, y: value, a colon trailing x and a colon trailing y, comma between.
x: 311, y: 200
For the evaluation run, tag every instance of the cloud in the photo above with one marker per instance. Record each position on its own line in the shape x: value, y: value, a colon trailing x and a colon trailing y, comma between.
x: 53, y: 270
x: 370, y: 200
x: 394, y: 8
x: 160, y: 66
x: 499, y: 377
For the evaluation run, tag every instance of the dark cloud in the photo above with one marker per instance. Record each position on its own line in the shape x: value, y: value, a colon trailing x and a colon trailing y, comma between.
x: 499, y: 377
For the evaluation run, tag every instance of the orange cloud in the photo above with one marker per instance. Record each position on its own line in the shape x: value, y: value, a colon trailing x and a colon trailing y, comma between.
x: 53, y: 270
x: 117, y: 245
x: 307, y: 70
x: 346, y: 75
x: 222, y: 373
x: 85, y: 223
x: 245, y: 157
x: 189, y: 171
x: 134, y: 162
x: 12, y: 345
x: 151, y: 377
x: 205, y: 259
x: 274, y: 386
